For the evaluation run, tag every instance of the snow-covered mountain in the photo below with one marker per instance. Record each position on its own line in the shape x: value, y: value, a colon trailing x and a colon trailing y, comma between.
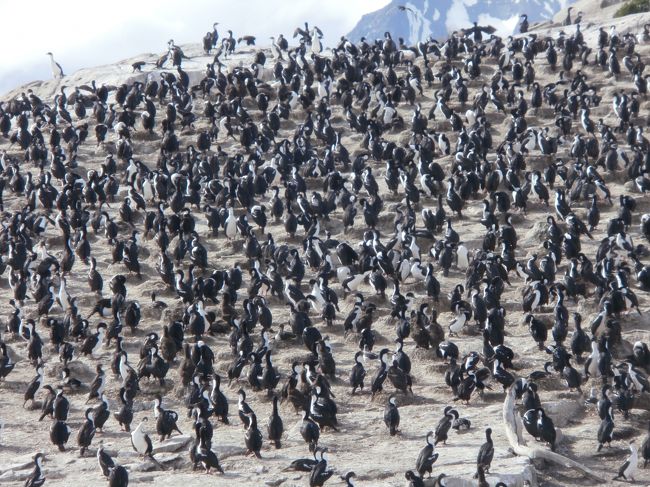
x: 420, y: 19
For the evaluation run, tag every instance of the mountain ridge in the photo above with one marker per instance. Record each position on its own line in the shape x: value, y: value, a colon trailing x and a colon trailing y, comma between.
x: 417, y: 20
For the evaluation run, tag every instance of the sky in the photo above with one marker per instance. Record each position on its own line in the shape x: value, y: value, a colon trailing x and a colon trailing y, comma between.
x: 84, y: 34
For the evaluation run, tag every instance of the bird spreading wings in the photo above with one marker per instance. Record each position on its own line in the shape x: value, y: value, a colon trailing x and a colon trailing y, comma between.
x: 306, y: 33
x: 488, y: 29
x: 404, y: 8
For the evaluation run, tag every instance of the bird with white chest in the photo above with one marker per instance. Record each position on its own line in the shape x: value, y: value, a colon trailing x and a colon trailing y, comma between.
x: 140, y: 439
x: 142, y: 443
x: 57, y: 70
x: 231, y: 224
x: 629, y: 467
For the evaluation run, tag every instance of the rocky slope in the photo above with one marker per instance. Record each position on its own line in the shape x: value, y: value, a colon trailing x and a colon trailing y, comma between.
x: 363, y: 444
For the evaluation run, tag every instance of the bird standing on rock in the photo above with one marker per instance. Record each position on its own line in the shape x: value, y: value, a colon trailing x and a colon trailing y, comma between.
x: 57, y: 70
x: 142, y: 443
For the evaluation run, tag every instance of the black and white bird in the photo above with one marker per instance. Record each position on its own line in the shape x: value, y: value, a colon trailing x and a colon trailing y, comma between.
x: 57, y: 70
x: 486, y: 452
x: 104, y: 460
x: 391, y: 416
x: 141, y: 442
x: 36, y: 477
x: 253, y: 437
x: 166, y: 420
x: 630, y: 466
x: 86, y: 432
x: 34, y: 385
x: 320, y: 473
x: 427, y: 457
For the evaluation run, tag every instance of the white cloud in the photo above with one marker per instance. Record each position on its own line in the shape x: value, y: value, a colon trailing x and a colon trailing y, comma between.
x: 81, y: 34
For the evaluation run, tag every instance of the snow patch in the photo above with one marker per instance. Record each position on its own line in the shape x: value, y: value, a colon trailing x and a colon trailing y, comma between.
x: 419, y: 24
x: 437, y: 18
x: 504, y: 27
x: 457, y: 16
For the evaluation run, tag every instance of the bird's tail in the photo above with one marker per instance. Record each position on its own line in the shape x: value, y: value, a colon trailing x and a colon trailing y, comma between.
x: 158, y: 464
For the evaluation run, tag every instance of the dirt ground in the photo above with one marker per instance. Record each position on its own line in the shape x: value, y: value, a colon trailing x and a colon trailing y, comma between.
x: 363, y: 444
